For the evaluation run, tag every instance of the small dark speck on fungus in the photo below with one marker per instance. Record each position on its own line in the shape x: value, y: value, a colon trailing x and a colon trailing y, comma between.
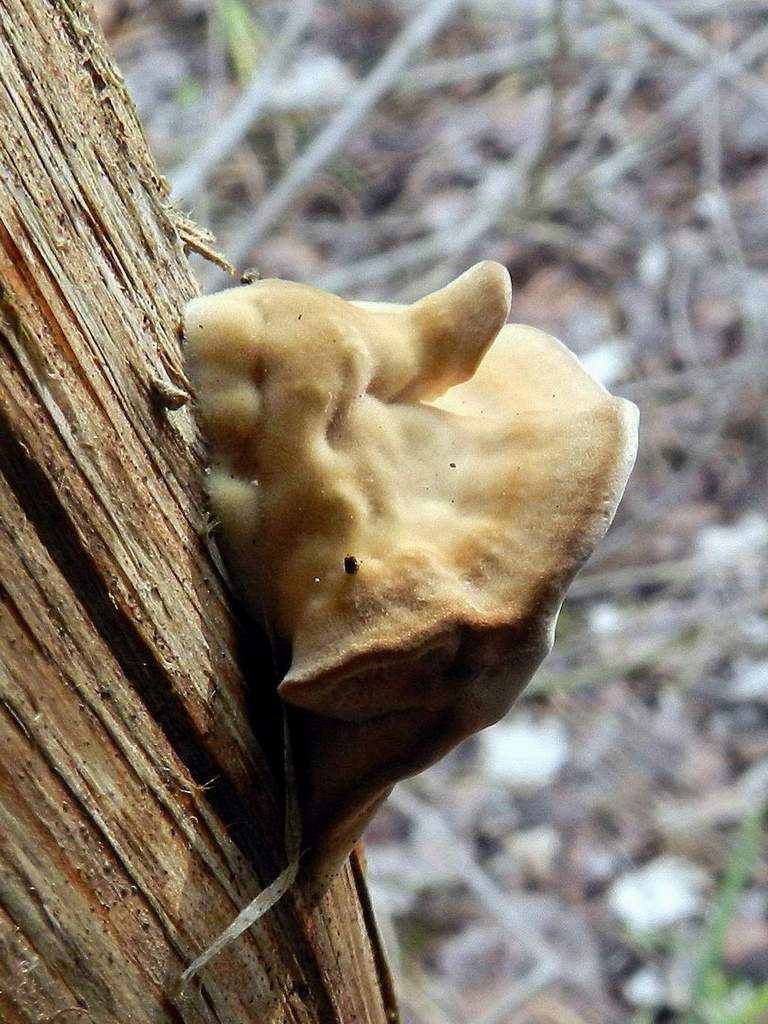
x: 351, y: 565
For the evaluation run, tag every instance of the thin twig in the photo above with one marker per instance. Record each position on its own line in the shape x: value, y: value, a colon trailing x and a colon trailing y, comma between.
x: 681, y: 571
x: 495, y: 901
x: 609, y: 171
x: 669, y: 30
x: 704, y: 8
x: 600, y: 176
x: 501, y: 60
x: 191, y: 176
x: 541, y: 976
x: 502, y: 188
x: 416, y: 34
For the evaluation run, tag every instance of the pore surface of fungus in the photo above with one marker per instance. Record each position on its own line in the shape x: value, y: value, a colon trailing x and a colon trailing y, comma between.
x: 404, y: 493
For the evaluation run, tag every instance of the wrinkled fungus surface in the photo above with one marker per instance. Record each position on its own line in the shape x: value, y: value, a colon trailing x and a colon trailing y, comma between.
x: 405, y: 493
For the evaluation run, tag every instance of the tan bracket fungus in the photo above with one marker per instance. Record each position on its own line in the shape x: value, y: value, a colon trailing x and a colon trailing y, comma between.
x: 405, y: 492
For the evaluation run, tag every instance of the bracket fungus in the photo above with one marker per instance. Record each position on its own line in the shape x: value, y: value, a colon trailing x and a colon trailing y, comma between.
x: 404, y: 493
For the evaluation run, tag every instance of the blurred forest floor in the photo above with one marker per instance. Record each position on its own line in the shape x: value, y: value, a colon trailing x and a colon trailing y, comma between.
x: 599, y: 856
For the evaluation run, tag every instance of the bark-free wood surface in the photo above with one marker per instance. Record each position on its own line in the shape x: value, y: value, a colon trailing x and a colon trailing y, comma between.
x: 138, y: 813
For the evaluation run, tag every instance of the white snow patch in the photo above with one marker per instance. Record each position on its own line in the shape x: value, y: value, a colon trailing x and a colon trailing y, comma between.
x: 606, y: 618
x: 607, y: 363
x: 646, y: 988
x: 525, y: 752
x: 751, y: 680
x: 726, y: 543
x: 664, y: 892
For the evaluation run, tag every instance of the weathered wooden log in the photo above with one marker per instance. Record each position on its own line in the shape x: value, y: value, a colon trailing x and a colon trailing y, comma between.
x: 138, y: 812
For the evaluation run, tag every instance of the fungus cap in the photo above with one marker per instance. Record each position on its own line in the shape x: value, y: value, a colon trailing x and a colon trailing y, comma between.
x: 466, y: 469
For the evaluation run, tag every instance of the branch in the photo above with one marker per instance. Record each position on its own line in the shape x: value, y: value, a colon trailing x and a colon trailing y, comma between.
x: 190, y: 177
x: 416, y: 34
